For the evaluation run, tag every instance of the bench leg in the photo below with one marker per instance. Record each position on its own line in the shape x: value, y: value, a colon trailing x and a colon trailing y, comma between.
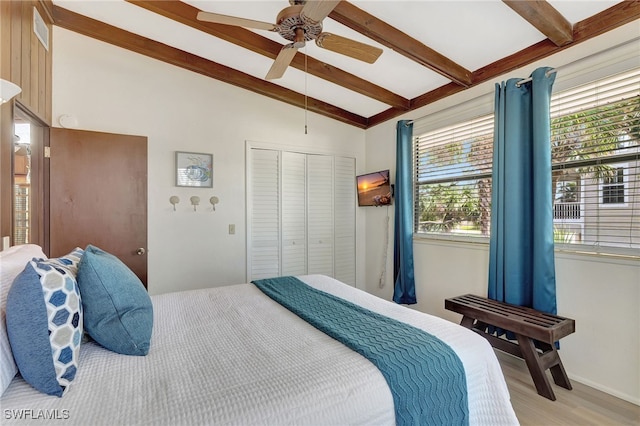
x: 471, y: 324
x: 481, y: 326
x: 536, y: 367
x: 557, y: 369
x: 467, y: 322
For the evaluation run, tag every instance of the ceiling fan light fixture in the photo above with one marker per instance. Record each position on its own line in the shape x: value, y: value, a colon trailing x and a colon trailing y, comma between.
x: 299, y: 41
x: 290, y: 22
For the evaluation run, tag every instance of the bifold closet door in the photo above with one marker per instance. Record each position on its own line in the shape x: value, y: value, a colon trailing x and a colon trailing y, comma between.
x: 345, y: 219
x: 320, y: 228
x: 264, y: 214
x: 300, y: 215
x: 294, y: 213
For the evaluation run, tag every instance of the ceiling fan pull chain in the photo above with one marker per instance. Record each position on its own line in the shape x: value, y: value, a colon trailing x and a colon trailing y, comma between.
x: 305, y: 91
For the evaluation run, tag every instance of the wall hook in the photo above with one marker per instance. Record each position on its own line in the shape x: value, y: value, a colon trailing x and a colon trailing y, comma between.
x: 195, y: 201
x: 214, y: 200
x: 174, y: 199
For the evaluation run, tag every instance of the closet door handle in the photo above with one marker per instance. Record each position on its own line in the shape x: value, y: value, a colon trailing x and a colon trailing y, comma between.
x: 141, y: 251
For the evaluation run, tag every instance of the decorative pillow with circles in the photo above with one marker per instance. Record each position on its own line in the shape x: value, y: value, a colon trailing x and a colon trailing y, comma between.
x: 45, y: 324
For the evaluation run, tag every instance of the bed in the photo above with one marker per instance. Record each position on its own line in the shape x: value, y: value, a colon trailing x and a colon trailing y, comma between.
x: 232, y: 355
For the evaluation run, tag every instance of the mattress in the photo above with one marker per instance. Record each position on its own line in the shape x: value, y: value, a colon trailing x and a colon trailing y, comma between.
x: 232, y: 356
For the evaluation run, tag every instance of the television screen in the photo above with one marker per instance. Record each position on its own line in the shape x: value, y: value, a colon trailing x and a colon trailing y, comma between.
x: 374, y: 189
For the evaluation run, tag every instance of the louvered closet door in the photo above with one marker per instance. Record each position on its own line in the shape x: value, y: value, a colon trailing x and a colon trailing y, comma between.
x: 345, y: 219
x: 264, y: 214
x: 294, y: 215
x: 320, y: 214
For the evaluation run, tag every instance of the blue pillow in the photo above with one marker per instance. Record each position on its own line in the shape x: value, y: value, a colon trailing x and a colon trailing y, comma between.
x: 117, y: 309
x: 44, y: 322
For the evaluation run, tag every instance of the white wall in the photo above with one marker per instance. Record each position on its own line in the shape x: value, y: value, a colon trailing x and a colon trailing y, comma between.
x: 601, y: 294
x: 110, y: 89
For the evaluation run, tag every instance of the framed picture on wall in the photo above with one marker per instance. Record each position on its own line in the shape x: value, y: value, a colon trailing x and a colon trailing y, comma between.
x: 194, y: 169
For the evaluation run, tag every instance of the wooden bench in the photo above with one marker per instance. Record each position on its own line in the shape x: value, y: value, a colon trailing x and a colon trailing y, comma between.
x: 532, y: 328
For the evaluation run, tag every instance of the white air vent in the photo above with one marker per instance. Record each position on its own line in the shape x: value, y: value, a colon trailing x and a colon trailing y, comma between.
x: 40, y: 28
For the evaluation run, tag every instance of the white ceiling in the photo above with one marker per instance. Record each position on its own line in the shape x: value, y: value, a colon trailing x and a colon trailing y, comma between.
x: 471, y: 33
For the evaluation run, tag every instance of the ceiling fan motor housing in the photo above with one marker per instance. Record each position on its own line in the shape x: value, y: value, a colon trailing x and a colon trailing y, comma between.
x: 290, y: 21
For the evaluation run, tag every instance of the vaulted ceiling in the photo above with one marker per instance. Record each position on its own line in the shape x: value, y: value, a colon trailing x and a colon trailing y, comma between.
x: 430, y: 49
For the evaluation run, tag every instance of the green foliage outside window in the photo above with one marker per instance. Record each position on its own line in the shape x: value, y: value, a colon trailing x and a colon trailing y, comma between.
x: 579, y: 142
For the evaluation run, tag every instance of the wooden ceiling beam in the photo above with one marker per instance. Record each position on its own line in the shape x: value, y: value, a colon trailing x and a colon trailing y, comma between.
x: 613, y: 17
x: 109, y: 34
x: 47, y: 6
x: 545, y: 18
x: 187, y: 15
x: 376, y: 29
x: 617, y: 15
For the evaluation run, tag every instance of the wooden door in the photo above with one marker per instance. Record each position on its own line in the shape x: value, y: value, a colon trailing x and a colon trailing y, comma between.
x: 98, y: 195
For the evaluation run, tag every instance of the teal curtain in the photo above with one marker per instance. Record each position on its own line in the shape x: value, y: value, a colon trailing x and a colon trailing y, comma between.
x: 521, y: 258
x: 405, y: 289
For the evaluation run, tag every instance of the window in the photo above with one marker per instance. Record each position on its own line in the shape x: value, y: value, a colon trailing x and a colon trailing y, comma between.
x: 613, y: 187
x: 566, y: 203
x: 595, y: 150
x: 453, y: 171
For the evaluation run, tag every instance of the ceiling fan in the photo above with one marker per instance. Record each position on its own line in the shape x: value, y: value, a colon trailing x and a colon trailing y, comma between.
x: 299, y: 23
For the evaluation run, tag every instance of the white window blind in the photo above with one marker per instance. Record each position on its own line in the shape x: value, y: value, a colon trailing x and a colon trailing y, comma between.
x: 453, y: 178
x: 595, y: 147
x: 595, y: 150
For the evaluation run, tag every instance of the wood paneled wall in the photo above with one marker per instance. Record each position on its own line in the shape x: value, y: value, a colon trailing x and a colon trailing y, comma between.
x: 30, y: 62
x: 27, y: 63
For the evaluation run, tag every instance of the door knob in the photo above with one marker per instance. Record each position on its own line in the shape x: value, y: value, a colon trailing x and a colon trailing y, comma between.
x: 140, y: 251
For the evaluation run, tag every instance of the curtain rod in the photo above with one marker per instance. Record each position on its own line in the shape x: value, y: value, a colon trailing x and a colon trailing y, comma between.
x: 518, y: 84
x: 526, y: 80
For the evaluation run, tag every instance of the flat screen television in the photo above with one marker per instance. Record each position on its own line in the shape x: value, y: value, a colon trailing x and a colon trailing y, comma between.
x: 374, y: 189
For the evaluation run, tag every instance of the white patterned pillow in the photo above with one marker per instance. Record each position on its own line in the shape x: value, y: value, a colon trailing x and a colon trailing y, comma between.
x: 44, y: 322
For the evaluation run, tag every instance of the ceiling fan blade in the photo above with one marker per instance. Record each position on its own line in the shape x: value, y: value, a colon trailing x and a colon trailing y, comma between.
x: 348, y: 47
x: 317, y: 10
x: 282, y: 62
x: 232, y: 20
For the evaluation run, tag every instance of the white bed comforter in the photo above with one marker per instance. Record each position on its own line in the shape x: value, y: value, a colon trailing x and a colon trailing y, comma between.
x: 230, y: 355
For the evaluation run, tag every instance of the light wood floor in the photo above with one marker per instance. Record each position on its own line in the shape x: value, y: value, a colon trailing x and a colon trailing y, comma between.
x: 581, y: 406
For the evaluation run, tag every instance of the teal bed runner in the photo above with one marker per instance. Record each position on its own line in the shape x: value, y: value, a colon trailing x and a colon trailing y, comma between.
x: 426, y: 377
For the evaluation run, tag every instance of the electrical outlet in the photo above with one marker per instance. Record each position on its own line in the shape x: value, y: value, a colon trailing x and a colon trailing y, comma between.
x: 232, y: 229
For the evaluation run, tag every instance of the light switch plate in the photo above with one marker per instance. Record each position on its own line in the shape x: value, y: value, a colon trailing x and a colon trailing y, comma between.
x: 232, y: 229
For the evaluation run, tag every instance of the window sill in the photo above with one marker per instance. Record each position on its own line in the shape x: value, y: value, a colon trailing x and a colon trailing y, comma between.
x: 481, y: 243
x: 611, y: 255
